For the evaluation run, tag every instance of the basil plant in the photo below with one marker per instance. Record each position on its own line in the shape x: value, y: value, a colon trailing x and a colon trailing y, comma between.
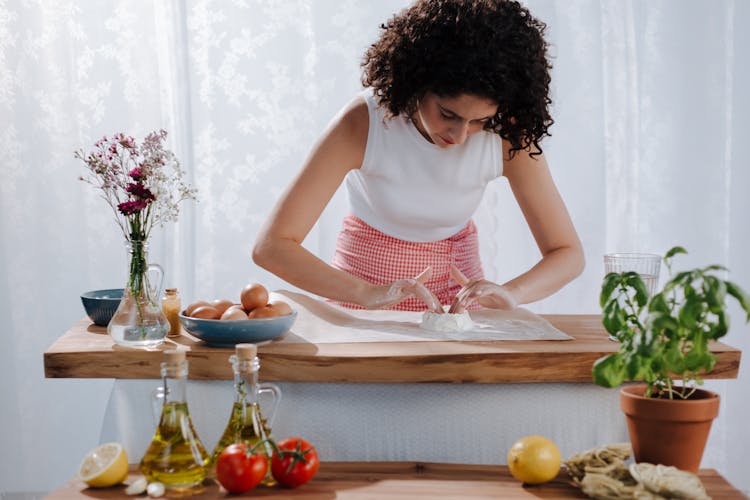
x: 665, y: 337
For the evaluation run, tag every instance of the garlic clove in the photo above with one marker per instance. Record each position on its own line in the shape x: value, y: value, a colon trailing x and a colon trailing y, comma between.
x: 137, y: 487
x: 155, y: 490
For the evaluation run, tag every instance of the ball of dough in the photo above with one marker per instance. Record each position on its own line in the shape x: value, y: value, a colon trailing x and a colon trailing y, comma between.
x: 446, y: 322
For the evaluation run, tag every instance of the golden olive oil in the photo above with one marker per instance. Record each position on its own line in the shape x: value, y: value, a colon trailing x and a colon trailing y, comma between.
x: 175, y: 457
x: 246, y: 423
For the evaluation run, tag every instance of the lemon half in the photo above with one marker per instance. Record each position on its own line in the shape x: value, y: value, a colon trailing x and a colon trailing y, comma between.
x: 105, y: 465
x: 534, y: 460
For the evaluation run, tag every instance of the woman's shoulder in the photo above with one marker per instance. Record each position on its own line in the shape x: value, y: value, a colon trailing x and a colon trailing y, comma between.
x: 352, y: 122
x: 346, y: 134
x: 355, y: 115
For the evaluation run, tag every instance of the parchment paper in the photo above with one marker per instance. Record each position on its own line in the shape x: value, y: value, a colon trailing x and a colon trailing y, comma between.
x: 321, y: 322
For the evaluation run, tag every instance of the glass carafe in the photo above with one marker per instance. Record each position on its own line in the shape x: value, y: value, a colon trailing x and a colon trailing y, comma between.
x: 139, y: 320
x: 246, y: 422
x: 175, y: 457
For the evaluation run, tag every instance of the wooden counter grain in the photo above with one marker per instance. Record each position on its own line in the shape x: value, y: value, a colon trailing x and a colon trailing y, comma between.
x: 86, y: 351
x: 400, y: 480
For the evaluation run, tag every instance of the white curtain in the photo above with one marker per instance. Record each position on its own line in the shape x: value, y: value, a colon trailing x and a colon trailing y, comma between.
x: 649, y: 150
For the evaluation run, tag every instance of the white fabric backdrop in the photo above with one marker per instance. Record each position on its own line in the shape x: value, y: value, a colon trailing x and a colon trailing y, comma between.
x: 649, y: 149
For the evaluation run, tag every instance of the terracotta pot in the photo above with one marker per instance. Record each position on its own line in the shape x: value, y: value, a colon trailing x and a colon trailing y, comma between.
x: 670, y: 432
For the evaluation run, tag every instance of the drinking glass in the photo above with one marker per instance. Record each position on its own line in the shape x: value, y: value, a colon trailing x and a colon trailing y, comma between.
x: 647, y: 265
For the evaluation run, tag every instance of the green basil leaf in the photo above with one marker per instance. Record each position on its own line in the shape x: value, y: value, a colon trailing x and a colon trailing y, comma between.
x: 695, y: 360
x: 658, y: 303
x: 674, y: 251
x: 641, y: 292
x: 613, y: 317
x: 721, y: 326
x: 645, y: 344
x: 738, y: 293
x: 698, y: 357
x: 677, y: 280
x: 661, y: 321
x: 675, y: 361
x: 714, y: 290
x: 690, y: 312
x: 714, y: 267
x: 608, y: 286
x: 633, y: 368
x: 609, y: 371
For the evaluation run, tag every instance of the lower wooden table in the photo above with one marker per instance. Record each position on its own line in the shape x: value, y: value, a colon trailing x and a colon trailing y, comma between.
x: 403, y: 480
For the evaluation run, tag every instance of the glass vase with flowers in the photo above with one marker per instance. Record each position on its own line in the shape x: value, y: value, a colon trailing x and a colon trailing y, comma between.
x: 144, y: 186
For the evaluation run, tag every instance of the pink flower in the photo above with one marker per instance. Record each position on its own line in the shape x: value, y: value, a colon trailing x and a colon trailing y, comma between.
x: 138, y: 190
x: 136, y: 174
x: 126, y: 141
x: 132, y: 207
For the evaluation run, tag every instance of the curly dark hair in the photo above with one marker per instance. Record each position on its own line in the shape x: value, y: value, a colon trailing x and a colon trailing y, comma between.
x: 489, y: 48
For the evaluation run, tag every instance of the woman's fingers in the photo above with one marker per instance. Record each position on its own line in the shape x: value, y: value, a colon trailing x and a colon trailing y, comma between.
x: 461, y: 301
x: 488, y: 294
x: 400, y: 290
x: 495, y: 296
x: 458, y: 276
x: 426, y: 296
x: 425, y: 275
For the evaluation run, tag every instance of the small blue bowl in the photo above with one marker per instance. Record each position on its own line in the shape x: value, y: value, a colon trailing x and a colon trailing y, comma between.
x: 100, y: 305
x: 227, y: 333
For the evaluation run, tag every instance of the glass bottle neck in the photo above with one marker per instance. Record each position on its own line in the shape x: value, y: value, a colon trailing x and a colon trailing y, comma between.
x: 138, y: 261
x: 174, y: 379
x: 245, y: 379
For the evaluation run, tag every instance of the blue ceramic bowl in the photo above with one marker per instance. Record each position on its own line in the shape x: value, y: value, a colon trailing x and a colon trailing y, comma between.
x: 100, y: 305
x: 227, y: 333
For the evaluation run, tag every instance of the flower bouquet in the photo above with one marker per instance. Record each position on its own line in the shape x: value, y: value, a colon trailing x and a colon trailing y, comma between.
x: 143, y: 184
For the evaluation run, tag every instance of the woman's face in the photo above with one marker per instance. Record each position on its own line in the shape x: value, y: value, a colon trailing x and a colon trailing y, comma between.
x: 447, y: 121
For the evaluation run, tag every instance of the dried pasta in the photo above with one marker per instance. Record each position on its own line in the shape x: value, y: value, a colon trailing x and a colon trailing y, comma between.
x: 597, y: 459
x: 603, y: 487
x: 669, y: 481
x: 602, y: 474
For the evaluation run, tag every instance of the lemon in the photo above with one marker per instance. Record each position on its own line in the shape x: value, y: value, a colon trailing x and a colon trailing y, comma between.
x: 105, y: 465
x: 534, y: 460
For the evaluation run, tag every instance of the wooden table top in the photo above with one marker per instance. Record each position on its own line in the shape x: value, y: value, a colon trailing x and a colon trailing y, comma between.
x: 400, y: 480
x: 86, y: 351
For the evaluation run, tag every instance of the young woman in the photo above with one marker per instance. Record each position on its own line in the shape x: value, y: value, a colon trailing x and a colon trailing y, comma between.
x: 457, y: 94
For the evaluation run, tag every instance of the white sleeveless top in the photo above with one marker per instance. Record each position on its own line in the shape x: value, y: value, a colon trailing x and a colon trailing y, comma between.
x: 412, y: 189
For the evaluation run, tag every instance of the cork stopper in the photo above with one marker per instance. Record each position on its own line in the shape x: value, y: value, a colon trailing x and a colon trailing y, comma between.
x: 174, y: 356
x: 170, y: 291
x: 246, y: 352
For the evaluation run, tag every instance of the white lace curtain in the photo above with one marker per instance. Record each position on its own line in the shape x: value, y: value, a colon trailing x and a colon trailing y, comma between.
x: 649, y: 149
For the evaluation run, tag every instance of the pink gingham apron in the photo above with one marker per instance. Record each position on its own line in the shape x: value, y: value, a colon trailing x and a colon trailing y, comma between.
x: 377, y: 258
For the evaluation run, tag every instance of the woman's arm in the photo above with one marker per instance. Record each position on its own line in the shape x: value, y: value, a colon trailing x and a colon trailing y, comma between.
x: 550, y: 224
x: 278, y: 247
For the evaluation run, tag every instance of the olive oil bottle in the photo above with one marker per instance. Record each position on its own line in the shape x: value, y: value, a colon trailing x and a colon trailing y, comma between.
x: 246, y: 422
x: 175, y: 457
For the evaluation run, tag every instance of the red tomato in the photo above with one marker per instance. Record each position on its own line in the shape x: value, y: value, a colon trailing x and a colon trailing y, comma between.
x: 239, y: 471
x: 294, y: 462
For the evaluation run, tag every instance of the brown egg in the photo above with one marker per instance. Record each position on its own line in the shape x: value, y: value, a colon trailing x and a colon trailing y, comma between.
x: 234, y: 313
x: 237, y: 306
x: 221, y: 305
x: 206, y: 312
x: 282, y: 307
x: 195, y: 305
x: 254, y: 295
x: 263, y: 312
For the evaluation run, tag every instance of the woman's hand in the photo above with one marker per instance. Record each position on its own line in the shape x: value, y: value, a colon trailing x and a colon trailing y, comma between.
x: 485, y: 292
x: 382, y: 296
